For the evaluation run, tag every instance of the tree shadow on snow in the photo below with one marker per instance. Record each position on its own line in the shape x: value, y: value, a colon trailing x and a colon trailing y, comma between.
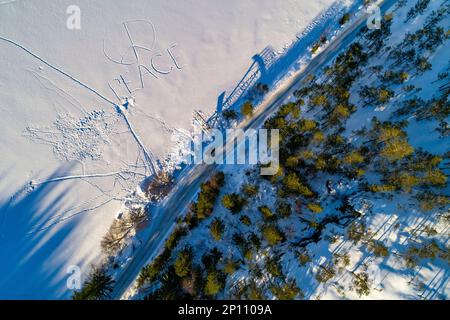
x: 31, y: 252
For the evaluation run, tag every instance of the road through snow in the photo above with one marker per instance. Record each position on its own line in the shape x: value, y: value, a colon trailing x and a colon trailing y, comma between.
x: 178, y: 200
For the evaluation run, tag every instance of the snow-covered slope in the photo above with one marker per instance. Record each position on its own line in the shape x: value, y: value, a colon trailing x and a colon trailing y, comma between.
x: 58, y: 88
x: 360, y: 206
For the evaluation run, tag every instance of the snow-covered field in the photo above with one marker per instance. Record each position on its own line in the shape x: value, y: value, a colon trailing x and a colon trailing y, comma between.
x: 58, y: 91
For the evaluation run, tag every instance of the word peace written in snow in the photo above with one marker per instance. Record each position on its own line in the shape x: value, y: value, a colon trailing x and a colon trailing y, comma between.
x: 143, y: 57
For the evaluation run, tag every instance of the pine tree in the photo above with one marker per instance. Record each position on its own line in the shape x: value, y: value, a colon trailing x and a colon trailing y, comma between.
x: 303, y: 257
x: 356, y: 232
x: 382, y: 188
x: 307, y: 125
x: 339, y: 114
x: 272, y: 234
x: 255, y: 292
x: 230, y: 267
x: 183, y: 263
x: 287, y: 291
x: 250, y: 190
x: 319, y: 101
x: 283, y: 209
x: 314, y: 207
x: 245, y: 220
x: 98, y: 286
x: 247, y: 109
x: 273, y: 267
x: 378, y: 248
x: 353, y: 158
x: 233, y: 202
x: 396, y: 149
x: 266, y: 212
x: 326, y: 273
x: 294, y: 185
x: 318, y: 137
x: 429, y: 200
x: 208, y: 195
x: 217, y: 227
x: 436, y: 178
x: 344, y: 19
x: 422, y: 64
x: 292, y: 162
x: 213, y: 284
x: 149, y: 273
x: 404, y: 180
x: 361, y: 283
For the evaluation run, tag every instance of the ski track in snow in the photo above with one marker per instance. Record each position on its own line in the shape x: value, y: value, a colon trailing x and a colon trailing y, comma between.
x: 148, y: 155
x: 59, y: 91
x: 94, y: 175
x: 58, y: 70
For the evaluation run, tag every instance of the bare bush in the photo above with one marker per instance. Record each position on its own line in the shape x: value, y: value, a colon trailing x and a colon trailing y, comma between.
x: 123, y: 228
x: 159, y: 186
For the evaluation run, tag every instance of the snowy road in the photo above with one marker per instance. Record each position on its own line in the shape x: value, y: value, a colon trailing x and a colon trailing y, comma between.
x: 178, y: 200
